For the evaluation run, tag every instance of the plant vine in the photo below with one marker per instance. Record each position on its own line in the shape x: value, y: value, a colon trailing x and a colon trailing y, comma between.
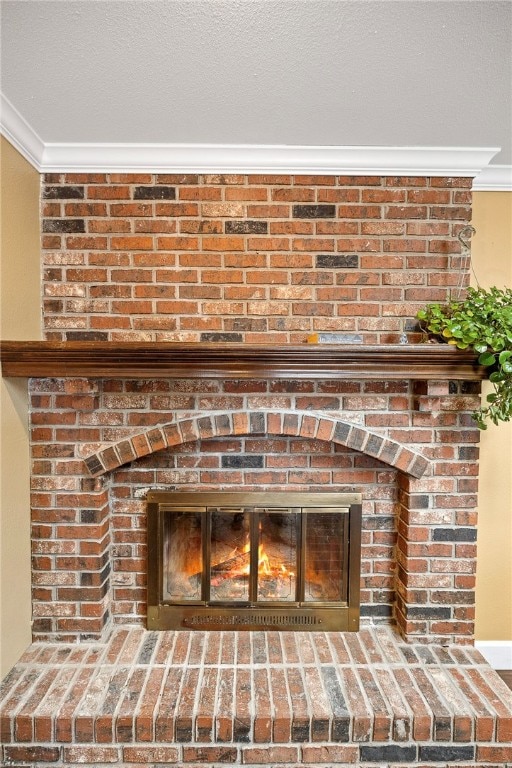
x: 482, y: 322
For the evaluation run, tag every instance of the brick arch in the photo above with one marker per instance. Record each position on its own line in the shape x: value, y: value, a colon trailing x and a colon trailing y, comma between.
x: 306, y: 424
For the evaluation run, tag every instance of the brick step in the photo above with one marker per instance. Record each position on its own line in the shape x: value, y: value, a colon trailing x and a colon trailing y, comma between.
x: 254, y: 698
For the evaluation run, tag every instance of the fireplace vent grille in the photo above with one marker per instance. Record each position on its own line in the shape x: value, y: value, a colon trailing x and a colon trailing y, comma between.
x: 260, y: 619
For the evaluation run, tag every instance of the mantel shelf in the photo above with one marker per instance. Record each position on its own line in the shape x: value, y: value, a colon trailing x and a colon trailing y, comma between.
x: 150, y: 360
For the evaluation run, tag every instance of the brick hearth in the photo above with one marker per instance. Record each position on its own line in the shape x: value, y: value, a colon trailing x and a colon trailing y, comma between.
x: 255, y: 698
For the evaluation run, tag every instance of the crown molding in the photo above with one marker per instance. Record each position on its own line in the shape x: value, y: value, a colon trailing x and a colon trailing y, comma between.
x: 53, y: 157
x: 20, y: 134
x: 272, y: 159
x: 494, y: 178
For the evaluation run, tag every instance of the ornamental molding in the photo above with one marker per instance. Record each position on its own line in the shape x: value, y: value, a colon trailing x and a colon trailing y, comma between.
x: 49, y: 157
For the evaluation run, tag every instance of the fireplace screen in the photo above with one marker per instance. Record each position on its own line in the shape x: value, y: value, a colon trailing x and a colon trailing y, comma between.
x: 253, y: 560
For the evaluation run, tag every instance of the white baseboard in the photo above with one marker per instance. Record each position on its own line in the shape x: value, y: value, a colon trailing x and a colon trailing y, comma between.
x: 497, y: 652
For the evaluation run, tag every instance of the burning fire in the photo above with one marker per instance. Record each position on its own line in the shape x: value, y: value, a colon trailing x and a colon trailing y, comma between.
x: 231, y: 573
x: 263, y: 562
x: 265, y: 567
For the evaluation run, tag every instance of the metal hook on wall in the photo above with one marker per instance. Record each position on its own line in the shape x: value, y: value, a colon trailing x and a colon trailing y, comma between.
x: 464, y: 238
x: 466, y: 232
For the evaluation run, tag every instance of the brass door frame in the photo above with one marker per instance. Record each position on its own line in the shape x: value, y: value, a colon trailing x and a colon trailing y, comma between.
x: 206, y: 614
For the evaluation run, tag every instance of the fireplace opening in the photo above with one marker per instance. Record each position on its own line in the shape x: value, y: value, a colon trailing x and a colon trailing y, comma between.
x: 254, y: 561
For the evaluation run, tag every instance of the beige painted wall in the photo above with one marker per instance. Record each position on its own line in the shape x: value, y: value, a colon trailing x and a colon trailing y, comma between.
x: 492, y: 261
x: 20, y: 318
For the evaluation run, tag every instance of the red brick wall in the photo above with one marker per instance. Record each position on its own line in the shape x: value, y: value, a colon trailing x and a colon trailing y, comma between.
x: 89, y: 534
x: 246, y: 258
x: 249, y: 259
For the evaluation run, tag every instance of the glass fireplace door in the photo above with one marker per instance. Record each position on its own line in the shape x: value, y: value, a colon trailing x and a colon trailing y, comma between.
x: 250, y: 565
x: 229, y: 550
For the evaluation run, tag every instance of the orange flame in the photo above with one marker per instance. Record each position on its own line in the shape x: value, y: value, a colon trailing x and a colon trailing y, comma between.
x: 263, y: 562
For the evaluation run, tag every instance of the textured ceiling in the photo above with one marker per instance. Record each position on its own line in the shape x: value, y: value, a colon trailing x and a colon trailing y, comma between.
x: 319, y: 72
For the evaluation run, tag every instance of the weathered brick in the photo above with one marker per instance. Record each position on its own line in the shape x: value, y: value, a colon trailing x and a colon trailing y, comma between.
x: 154, y: 193
x: 313, y: 211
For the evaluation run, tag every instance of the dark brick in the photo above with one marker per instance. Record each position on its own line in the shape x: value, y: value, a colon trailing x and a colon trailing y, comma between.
x: 314, y: 211
x: 291, y: 424
x: 259, y: 648
x: 470, y: 387
x: 91, y: 516
x: 379, y: 523
x: 222, y: 424
x: 63, y: 225
x: 454, y: 534
x: 377, y: 611
x: 428, y: 612
x: 453, y: 596
x: 154, y: 193
x: 341, y: 431
x: 341, y: 715
x: 356, y: 438
x: 245, y: 324
x: 89, y: 579
x: 300, y: 731
x: 53, y: 275
x: 387, y: 752
x: 257, y: 423
x: 53, y: 305
x: 205, y: 426
x: 183, y: 731
x: 373, y: 445
x: 425, y: 655
x: 468, y: 453
x: 42, y: 625
x: 337, y: 261
x: 240, y: 462
x: 446, y: 752
x: 94, y: 465
x: 419, y: 501
x: 63, y: 193
x: 87, y: 336
x: 148, y: 646
x: 221, y: 337
x: 389, y: 452
x: 246, y: 227
x: 208, y: 755
x: 241, y: 730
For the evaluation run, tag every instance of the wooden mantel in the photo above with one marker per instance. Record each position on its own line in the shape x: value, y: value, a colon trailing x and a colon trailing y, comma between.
x: 42, y: 359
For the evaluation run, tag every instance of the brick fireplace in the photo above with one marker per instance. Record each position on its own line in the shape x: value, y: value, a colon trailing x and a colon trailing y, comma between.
x: 418, y: 540
x: 251, y: 260
x: 235, y: 273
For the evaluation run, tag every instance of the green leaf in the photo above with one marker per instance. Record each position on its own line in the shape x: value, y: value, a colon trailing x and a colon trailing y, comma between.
x: 486, y: 359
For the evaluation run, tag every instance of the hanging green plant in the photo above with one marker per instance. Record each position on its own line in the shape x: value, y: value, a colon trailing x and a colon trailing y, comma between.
x: 482, y: 322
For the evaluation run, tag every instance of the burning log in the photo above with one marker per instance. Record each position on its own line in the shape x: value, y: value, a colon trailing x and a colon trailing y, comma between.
x: 238, y: 563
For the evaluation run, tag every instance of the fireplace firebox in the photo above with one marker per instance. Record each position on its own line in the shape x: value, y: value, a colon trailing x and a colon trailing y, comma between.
x: 254, y: 561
